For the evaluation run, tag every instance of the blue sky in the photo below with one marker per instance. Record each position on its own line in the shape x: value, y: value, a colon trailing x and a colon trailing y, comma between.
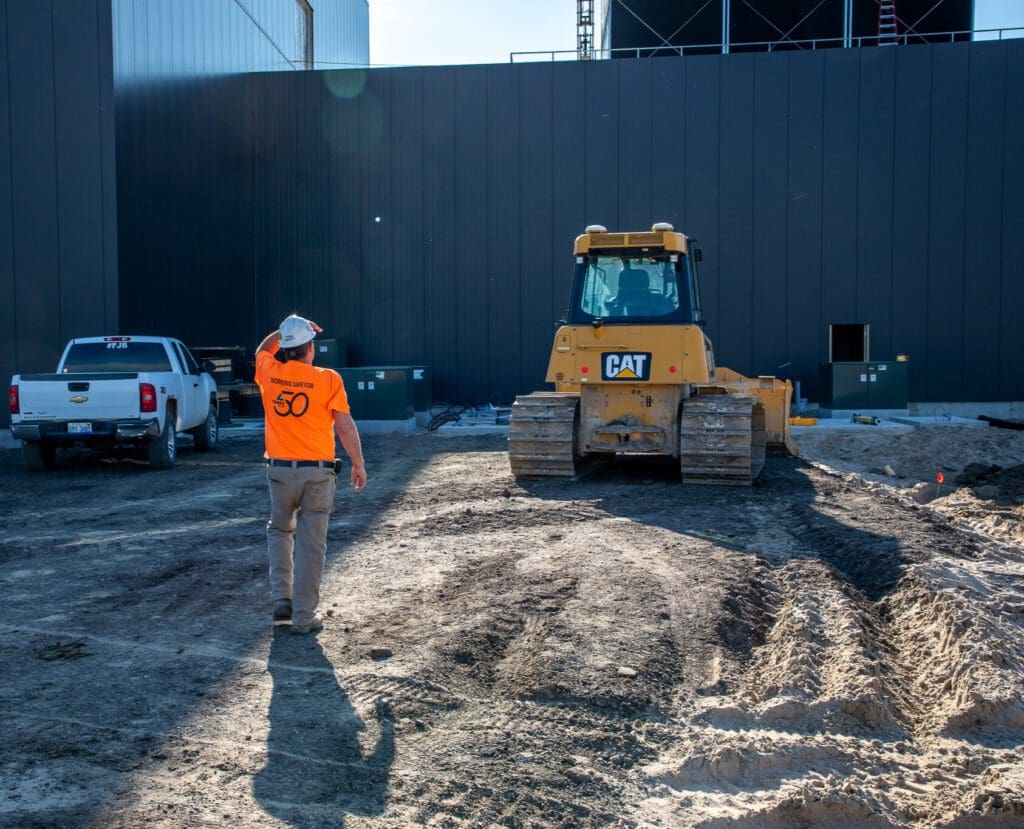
x: 426, y: 32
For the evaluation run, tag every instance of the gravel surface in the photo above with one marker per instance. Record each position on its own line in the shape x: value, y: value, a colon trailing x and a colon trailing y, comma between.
x: 831, y: 647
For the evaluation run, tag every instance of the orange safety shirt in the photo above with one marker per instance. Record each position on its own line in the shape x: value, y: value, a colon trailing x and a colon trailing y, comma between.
x: 299, y: 402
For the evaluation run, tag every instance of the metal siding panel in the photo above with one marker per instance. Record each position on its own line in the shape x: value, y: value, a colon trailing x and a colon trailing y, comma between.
x: 944, y: 371
x: 667, y: 165
x: 108, y: 166
x: 804, y: 223
x: 314, y: 196
x: 79, y: 171
x: 912, y: 137
x: 1011, y: 320
x: 569, y: 152
x: 602, y: 151
x: 983, y: 233
x: 637, y: 123
x: 439, y: 208
x: 471, y: 226
x: 874, y: 198
x: 771, y: 117
x: 378, y: 295
x: 408, y: 217
x: 342, y: 130
x: 341, y: 33
x: 275, y: 229
x: 701, y: 160
x: 539, y: 179
x: 34, y: 185
x: 223, y: 205
x: 839, y: 189
x: 262, y: 160
x: 502, y: 264
x: 8, y: 300
x: 735, y: 214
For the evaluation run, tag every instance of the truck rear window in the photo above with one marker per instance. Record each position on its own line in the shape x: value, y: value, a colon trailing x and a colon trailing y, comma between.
x: 117, y: 356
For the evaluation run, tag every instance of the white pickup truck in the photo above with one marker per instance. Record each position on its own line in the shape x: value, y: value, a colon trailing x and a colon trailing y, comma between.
x: 115, y: 392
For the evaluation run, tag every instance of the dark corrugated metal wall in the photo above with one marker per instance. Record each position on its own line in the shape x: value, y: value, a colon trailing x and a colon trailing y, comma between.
x: 186, y: 164
x: 427, y: 215
x: 58, y: 239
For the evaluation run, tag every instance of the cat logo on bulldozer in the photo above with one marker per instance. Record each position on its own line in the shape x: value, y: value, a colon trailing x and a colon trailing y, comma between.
x: 626, y: 365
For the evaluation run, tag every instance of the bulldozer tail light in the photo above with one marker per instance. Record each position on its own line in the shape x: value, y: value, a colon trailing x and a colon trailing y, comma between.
x: 147, y: 397
x: 671, y: 369
x: 14, y: 400
x: 584, y: 369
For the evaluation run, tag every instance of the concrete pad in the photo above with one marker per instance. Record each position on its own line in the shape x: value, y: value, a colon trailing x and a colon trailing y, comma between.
x: 925, y: 422
x: 836, y: 425
x: 462, y: 428
x: 1007, y: 410
x: 846, y: 414
x: 387, y: 427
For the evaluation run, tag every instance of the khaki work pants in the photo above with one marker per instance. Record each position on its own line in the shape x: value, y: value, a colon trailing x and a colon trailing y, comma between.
x: 301, y: 499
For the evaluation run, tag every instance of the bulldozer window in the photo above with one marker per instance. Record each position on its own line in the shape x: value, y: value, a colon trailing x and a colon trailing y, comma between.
x: 630, y: 288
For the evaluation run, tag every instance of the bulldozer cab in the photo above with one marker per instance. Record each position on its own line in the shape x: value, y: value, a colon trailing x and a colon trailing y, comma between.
x: 640, y: 286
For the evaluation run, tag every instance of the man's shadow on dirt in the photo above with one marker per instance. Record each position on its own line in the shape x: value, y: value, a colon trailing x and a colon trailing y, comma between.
x: 315, y: 762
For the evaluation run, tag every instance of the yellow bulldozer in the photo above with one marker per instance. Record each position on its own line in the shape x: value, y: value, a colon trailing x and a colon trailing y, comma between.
x: 634, y: 373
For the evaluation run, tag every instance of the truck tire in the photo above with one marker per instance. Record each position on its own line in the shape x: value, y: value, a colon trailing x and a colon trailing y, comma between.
x: 38, y: 456
x: 162, y: 451
x: 207, y: 433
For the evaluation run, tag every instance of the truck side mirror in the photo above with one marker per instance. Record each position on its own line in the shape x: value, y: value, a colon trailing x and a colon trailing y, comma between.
x: 207, y: 367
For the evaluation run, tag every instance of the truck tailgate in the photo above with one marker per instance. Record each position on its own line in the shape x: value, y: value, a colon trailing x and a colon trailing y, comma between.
x: 80, y: 397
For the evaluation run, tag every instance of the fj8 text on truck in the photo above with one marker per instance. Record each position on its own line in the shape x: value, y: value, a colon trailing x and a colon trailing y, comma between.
x: 115, y: 392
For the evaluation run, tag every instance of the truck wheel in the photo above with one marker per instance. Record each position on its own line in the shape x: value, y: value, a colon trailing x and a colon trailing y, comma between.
x: 38, y: 456
x: 162, y: 451
x: 206, y: 434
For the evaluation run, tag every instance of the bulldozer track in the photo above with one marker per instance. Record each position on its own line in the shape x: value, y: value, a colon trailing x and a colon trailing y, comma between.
x: 721, y: 439
x: 542, y: 435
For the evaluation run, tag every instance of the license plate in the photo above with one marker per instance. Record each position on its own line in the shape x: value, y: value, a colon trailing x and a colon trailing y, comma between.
x: 79, y: 428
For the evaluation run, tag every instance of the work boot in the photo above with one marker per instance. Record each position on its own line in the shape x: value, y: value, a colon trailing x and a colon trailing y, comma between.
x: 314, y: 625
x: 283, y: 611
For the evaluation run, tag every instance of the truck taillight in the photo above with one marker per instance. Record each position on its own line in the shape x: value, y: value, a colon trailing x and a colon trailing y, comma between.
x: 14, y: 400
x: 147, y: 397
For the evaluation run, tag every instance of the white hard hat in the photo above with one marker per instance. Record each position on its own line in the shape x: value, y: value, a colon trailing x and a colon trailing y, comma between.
x: 295, y: 331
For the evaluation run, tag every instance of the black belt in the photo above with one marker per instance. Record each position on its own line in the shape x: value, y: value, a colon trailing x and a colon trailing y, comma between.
x: 321, y: 464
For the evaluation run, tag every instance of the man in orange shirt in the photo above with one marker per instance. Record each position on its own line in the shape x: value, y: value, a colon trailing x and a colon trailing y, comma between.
x: 304, y: 406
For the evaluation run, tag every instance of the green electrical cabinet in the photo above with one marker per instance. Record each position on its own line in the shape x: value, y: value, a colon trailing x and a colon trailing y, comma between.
x: 874, y: 385
x: 355, y: 387
x: 422, y: 388
x: 330, y: 353
x: 388, y: 392
x: 380, y: 392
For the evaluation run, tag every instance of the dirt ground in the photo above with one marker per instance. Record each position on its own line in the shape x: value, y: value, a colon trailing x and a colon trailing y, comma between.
x: 834, y: 646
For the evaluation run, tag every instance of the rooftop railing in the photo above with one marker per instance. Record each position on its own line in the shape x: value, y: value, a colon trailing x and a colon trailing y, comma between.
x: 906, y: 39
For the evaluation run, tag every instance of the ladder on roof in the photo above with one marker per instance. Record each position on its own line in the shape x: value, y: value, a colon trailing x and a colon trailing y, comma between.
x: 887, y: 34
x: 584, y: 29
